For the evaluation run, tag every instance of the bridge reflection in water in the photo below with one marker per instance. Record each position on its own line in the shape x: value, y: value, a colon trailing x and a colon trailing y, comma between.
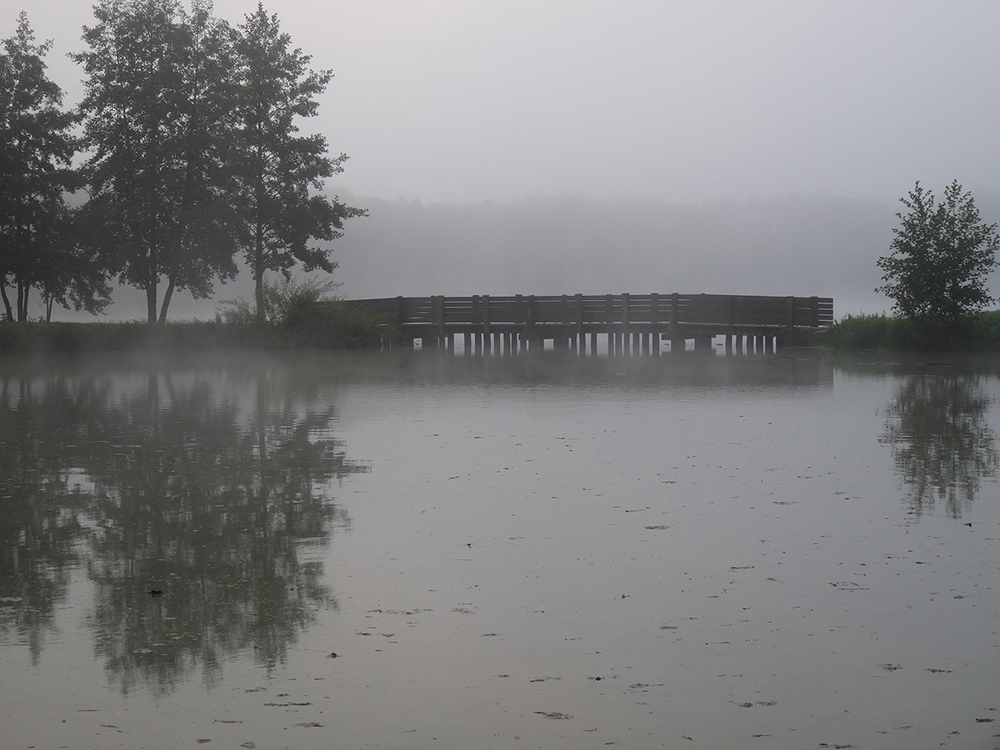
x: 615, y: 324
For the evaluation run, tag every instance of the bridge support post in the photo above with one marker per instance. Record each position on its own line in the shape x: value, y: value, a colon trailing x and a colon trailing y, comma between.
x: 626, y: 332
x: 579, y: 334
x: 654, y: 320
x: 486, y: 338
x: 437, y: 307
x: 676, y: 340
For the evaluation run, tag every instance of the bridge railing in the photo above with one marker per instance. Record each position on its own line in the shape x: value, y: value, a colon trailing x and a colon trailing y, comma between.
x: 612, y: 309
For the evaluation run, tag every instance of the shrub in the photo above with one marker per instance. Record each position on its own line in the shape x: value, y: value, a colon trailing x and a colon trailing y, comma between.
x: 279, y: 299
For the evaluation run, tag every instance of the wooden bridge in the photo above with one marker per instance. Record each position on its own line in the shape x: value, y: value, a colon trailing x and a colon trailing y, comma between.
x: 621, y: 323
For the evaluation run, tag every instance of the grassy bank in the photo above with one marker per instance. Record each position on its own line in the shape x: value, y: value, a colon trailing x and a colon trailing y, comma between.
x: 330, y: 326
x: 973, y: 333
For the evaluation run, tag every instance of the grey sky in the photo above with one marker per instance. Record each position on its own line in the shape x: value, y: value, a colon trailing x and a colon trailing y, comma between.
x: 470, y: 100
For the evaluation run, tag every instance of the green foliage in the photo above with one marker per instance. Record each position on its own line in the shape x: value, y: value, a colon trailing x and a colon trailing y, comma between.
x: 306, y: 314
x: 334, y: 323
x: 941, y: 257
x: 157, y: 106
x: 979, y: 332
x: 37, y: 244
x: 280, y: 297
x: 860, y: 332
x: 280, y: 173
x: 190, y: 128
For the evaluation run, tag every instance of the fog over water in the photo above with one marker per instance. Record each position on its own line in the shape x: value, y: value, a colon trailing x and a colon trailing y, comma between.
x: 692, y: 146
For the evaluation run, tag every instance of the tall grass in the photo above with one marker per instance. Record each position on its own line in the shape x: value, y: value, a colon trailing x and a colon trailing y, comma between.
x: 297, y: 321
x: 979, y: 332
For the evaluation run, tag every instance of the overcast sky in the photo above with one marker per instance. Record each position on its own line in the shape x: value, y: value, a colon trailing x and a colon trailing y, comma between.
x: 471, y: 100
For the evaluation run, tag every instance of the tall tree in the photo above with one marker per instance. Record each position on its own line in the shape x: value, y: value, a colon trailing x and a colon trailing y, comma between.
x: 941, y: 256
x: 156, y: 125
x: 280, y: 173
x: 36, y: 151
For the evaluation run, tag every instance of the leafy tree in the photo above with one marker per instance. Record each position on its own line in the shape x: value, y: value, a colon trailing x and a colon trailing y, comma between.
x: 279, y: 172
x: 157, y: 109
x: 77, y: 277
x: 942, y: 255
x: 36, y: 151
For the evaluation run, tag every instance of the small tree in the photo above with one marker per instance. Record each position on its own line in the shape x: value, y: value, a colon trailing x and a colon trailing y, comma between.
x: 280, y: 173
x: 941, y: 256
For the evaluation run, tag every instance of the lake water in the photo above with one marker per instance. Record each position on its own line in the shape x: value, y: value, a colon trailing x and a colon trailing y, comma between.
x: 423, y: 551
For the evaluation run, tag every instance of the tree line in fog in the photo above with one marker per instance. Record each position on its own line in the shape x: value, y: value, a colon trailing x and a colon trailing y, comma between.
x: 183, y: 158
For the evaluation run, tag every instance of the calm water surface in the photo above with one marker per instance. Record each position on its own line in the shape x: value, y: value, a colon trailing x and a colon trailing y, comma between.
x: 338, y: 551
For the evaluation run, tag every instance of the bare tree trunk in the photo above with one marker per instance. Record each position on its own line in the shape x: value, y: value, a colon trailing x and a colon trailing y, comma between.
x: 151, y: 287
x: 258, y: 258
x: 150, y: 304
x: 6, y: 303
x: 22, y: 301
x: 166, y: 299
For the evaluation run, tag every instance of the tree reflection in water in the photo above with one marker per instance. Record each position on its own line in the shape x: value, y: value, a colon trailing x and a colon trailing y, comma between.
x: 941, y: 441
x: 193, y: 502
x: 41, y: 506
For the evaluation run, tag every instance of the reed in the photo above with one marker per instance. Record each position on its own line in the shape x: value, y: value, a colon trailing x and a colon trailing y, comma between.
x: 978, y: 332
x: 330, y: 326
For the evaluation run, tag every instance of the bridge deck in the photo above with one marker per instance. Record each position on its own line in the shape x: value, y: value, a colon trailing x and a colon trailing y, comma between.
x: 623, y: 319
